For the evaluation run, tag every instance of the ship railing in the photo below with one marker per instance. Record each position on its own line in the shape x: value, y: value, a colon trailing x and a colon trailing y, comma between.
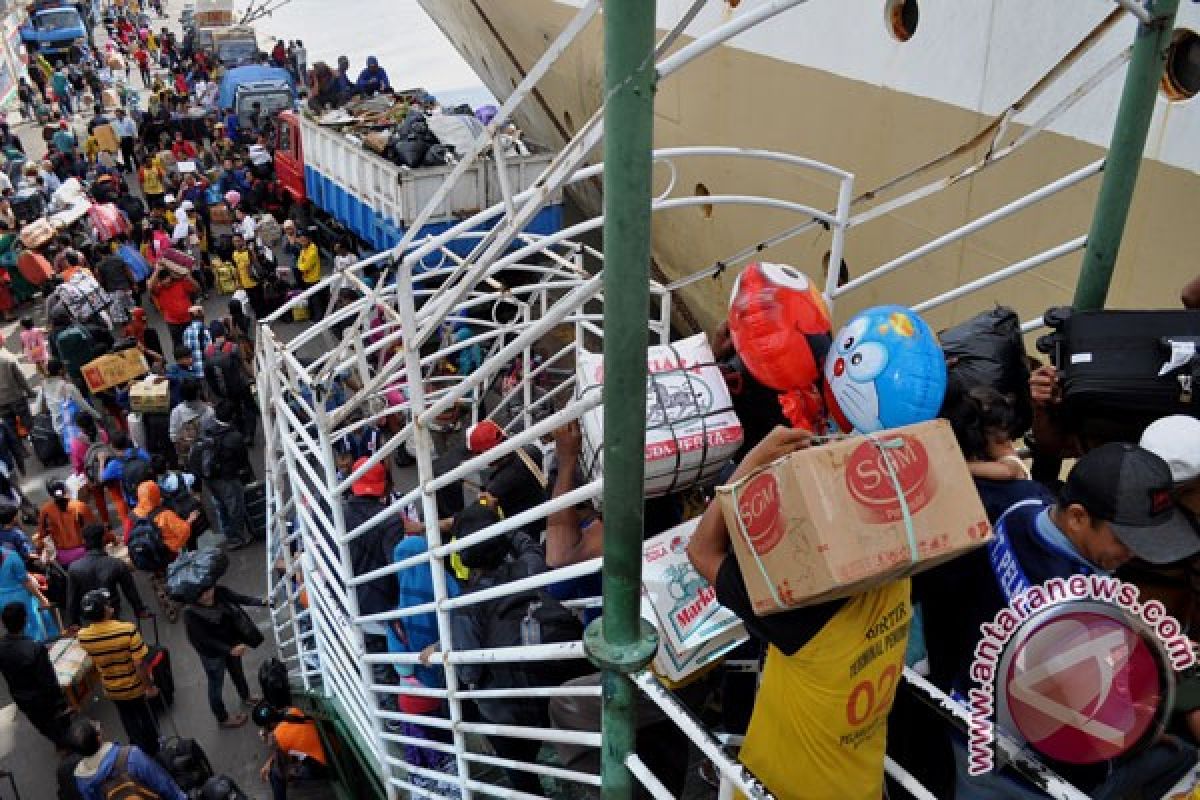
x: 552, y: 311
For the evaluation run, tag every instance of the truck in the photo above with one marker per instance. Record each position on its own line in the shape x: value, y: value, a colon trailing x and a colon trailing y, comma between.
x: 235, y: 46
x: 377, y: 200
x: 56, y: 27
x: 271, y: 87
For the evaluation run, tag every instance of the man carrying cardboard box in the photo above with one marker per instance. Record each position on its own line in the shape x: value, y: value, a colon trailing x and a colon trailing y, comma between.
x: 819, y: 726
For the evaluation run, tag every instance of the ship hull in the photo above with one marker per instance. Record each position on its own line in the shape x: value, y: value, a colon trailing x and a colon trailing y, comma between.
x: 739, y: 97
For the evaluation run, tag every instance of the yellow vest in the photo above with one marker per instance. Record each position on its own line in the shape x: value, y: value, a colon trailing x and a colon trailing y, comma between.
x: 819, y: 726
x: 241, y: 260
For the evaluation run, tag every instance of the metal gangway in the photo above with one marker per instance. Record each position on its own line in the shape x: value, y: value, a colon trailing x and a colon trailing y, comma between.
x: 535, y: 303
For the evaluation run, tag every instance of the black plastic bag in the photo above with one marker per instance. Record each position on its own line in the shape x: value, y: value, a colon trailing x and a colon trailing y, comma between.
x: 193, y: 573
x: 988, y: 350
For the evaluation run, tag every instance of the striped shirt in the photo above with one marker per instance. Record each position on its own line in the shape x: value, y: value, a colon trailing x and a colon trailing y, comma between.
x: 196, y: 338
x: 116, y: 649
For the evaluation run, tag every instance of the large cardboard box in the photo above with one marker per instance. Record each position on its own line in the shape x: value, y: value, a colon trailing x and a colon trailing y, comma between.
x: 107, y: 138
x: 151, y: 394
x: 691, y: 428
x: 829, y: 522
x: 694, y: 629
x: 114, y: 369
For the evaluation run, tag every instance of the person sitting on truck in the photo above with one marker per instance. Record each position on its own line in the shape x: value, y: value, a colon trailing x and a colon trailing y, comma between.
x: 372, y: 79
x: 343, y: 87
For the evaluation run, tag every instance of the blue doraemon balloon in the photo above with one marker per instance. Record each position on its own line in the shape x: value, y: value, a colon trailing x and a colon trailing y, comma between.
x: 886, y: 369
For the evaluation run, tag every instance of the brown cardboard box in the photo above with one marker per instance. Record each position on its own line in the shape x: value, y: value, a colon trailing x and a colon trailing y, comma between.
x: 114, y: 369
x: 220, y: 214
x: 107, y: 138
x: 829, y: 522
x: 152, y: 394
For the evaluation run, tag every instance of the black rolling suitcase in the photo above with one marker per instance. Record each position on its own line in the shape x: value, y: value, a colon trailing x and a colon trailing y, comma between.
x: 256, y: 508
x: 158, y: 663
x: 47, y: 445
x: 1124, y: 369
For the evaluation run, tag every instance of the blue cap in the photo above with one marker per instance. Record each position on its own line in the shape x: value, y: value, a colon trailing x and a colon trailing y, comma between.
x: 372, y: 61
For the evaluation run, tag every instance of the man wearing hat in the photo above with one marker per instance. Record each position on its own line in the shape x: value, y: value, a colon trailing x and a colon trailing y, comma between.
x: 61, y: 522
x: 516, y: 480
x: 1118, y: 504
x: 372, y: 550
x: 372, y: 79
x: 119, y: 654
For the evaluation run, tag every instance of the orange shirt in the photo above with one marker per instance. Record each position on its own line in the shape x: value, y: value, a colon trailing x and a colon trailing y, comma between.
x: 64, y: 527
x: 175, y: 529
x: 300, y: 738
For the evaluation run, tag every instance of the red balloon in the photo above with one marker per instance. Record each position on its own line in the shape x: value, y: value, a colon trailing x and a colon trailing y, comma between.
x: 780, y: 326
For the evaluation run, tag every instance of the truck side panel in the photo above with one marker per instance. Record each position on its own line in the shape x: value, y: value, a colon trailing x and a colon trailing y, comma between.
x: 378, y: 200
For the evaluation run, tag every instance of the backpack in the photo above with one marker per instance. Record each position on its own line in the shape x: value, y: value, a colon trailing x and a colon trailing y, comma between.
x: 186, y: 762
x: 504, y: 621
x: 120, y: 785
x: 189, y: 434
x: 147, y: 550
x: 205, y: 457
x: 273, y: 682
x: 135, y: 471
x: 223, y: 372
x: 98, y: 453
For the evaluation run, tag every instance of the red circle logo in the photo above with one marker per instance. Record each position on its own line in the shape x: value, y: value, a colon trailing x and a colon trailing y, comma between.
x: 758, y: 509
x: 1082, y: 685
x: 869, y: 473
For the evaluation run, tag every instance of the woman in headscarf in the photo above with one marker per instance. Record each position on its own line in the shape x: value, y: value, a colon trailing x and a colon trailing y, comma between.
x: 18, y: 586
x: 176, y: 533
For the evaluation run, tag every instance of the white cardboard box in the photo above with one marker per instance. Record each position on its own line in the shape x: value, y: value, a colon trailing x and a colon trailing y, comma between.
x: 691, y: 429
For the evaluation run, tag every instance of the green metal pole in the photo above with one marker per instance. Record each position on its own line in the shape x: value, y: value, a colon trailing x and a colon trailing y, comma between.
x: 619, y: 643
x: 1125, y: 155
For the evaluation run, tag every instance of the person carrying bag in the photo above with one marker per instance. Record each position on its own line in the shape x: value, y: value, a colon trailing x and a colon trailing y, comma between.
x: 221, y: 631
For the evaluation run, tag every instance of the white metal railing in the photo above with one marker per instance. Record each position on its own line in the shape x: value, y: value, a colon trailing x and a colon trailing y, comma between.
x: 389, y: 362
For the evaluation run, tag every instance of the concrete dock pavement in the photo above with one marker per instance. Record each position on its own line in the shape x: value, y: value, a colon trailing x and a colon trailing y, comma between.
x: 238, y: 752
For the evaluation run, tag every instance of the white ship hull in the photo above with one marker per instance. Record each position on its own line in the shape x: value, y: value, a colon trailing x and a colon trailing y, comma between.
x: 828, y: 80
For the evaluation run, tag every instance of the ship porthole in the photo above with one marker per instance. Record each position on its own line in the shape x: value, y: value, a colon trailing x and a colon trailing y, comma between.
x: 901, y: 17
x: 707, y: 208
x: 1181, y: 78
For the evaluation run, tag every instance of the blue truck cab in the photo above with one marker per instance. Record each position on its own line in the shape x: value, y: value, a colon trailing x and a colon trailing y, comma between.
x: 55, y: 27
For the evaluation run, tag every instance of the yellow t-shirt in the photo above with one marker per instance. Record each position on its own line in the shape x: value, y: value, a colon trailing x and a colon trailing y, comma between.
x: 116, y: 649
x: 152, y: 179
x: 241, y: 260
x: 819, y: 727
x: 309, y: 264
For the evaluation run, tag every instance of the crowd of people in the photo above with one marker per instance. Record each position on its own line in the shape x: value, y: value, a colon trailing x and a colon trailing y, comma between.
x: 192, y: 216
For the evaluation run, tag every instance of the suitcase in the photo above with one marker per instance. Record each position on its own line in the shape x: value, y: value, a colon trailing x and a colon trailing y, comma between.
x: 34, y: 267
x: 47, y: 445
x: 180, y: 259
x: 36, y: 233
x: 256, y: 508
x: 158, y: 664
x: 1121, y: 370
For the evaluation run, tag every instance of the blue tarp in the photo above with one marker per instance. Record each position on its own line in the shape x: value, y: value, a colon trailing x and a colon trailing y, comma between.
x: 251, y: 74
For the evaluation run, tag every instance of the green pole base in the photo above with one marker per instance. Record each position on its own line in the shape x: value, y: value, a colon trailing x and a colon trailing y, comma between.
x: 626, y: 659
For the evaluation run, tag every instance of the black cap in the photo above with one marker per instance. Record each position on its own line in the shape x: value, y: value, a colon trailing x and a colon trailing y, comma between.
x: 95, y: 604
x: 1130, y: 488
